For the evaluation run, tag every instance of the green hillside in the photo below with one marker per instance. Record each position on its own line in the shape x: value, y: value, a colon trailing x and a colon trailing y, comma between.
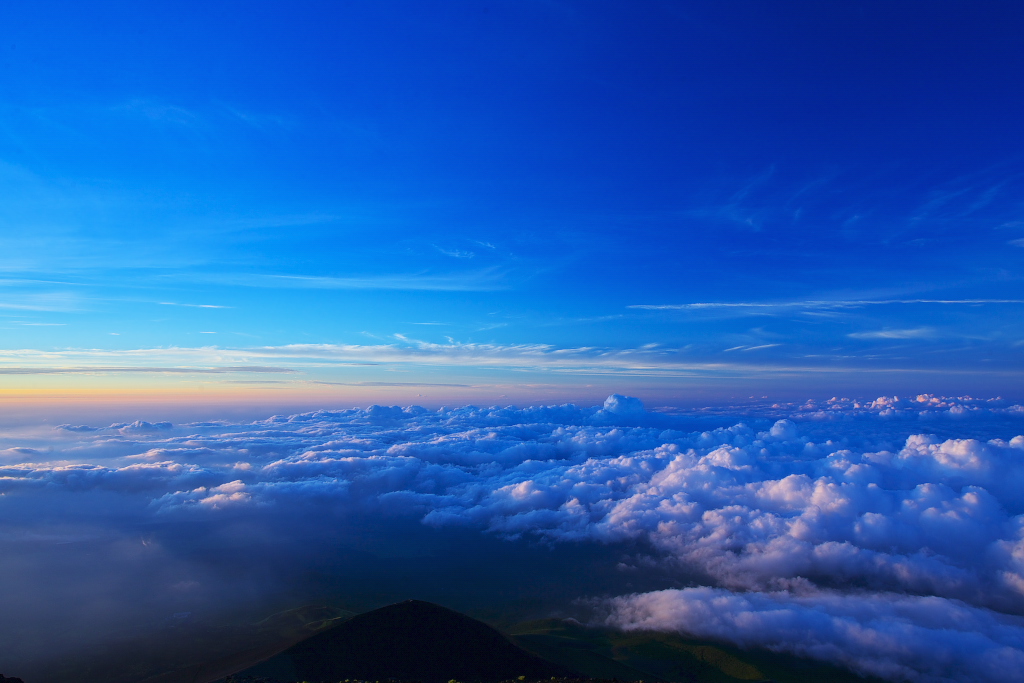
x: 655, y: 657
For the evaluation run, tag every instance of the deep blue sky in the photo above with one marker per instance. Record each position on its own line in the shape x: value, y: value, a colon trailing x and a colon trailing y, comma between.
x: 483, y: 193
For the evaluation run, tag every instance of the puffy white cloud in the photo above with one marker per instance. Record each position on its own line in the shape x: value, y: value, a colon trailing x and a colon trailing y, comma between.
x: 823, y: 511
x: 899, y: 637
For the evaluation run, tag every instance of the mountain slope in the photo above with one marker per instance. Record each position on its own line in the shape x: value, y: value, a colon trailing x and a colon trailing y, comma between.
x: 656, y: 656
x: 216, y: 653
x: 411, y: 640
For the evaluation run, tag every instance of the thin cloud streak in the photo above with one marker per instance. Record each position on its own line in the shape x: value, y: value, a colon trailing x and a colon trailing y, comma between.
x: 392, y: 384
x: 171, y: 303
x: 818, y: 304
x: 118, y: 369
x: 643, y: 362
x: 41, y: 303
x: 916, y: 333
x: 485, y: 280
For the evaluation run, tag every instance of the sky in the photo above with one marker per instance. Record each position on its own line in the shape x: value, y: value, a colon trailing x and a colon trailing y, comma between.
x: 702, y: 317
x: 503, y: 202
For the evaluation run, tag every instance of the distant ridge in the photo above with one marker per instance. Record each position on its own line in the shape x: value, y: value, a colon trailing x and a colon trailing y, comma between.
x: 411, y: 641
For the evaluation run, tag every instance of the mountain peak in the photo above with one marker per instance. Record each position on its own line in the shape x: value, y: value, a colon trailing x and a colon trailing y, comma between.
x: 408, y: 640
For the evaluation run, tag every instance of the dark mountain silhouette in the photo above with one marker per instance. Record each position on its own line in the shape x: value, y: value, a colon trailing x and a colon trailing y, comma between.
x: 423, y: 642
x: 197, y: 652
x: 411, y: 641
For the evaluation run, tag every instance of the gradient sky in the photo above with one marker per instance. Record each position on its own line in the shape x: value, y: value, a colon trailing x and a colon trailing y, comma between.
x: 490, y: 201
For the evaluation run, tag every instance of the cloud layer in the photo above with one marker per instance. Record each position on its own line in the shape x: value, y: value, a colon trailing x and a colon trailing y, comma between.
x: 821, y: 529
x: 894, y: 636
x: 651, y: 360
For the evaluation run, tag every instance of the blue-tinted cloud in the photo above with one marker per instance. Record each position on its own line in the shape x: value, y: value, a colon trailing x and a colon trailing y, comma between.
x: 837, y: 512
x: 895, y: 636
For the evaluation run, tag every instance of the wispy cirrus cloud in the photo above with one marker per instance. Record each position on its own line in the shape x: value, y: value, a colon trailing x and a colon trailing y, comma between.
x: 392, y: 384
x: 455, y: 253
x: 914, y: 333
x: 132, y: 369
x: 644, y: 361
x: 42, y: 301
x: 482, y: 280
x: 816, y: 304
x: 172, y: 303
x: 159, y: 112
x: 752, y: 348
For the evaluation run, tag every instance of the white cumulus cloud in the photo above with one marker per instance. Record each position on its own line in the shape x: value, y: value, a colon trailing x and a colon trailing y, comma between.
x: 816, y: 528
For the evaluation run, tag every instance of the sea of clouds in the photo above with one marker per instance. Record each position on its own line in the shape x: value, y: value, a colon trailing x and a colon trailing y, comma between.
x: 886, y: 536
